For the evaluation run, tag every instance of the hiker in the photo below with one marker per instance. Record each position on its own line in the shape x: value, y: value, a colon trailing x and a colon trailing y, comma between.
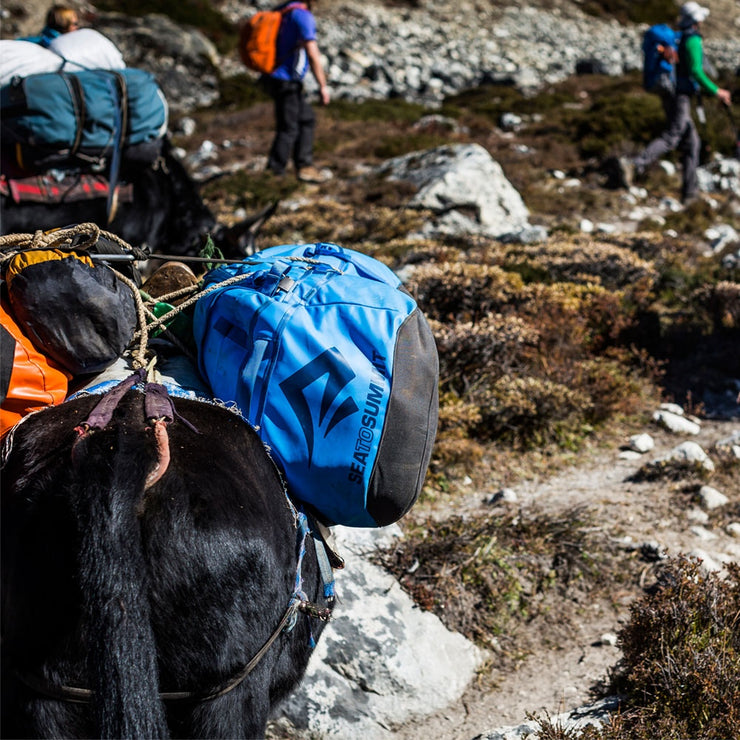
x: 295, y: 121
x: 680, y: 132
x: 59, y: 19
x: 79, y: 48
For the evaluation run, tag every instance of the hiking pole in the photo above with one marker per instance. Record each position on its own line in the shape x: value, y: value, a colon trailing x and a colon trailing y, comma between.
x: 163, y: 257
x: 735, y: 131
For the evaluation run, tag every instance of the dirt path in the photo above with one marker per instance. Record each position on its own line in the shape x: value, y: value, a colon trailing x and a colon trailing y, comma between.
x: 571, y: 659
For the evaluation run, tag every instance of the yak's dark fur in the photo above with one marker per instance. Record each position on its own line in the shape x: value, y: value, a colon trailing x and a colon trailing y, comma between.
x: 129, y: 592
x: 167, y: 213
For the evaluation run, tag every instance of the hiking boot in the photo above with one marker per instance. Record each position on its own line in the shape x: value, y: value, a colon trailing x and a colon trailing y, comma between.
x: 625, y: 172
x: 314, y: 174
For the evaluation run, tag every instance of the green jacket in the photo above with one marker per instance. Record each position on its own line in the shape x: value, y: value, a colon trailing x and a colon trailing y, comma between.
x: 691, y: 65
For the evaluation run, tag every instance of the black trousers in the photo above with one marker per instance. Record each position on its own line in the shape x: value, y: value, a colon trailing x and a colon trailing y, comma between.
x: 295, y: 123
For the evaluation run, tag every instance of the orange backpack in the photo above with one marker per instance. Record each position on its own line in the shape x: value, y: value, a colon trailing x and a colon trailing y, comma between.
x: 258, y: 38
x: 33, y: 382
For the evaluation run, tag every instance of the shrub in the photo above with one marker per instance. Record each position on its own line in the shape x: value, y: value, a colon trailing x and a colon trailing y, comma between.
x: 528, y: 411
x: 619, y: 116
x: 681, y: 656
x: 477, y: 354
x: 455, y: 442
x: 581, y: 260
x: 645, y: 11
x: 720, y: 303
x: 481, y: 574
x: 464, y: 292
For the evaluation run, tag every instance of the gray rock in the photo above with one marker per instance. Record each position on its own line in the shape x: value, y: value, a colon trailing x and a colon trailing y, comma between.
x: 711, y: 498
x: 464, y: 186
x: 507, y: 495
x: 690, y: 452
x: 672, y: 408
x: 381, y: 660
x: 697, y: 515
x: 676, y: 424
x: 703, y: 534
x: 641, y: 442
x: 708, y: 563
x: 595, y: 715
x: 721, y: 236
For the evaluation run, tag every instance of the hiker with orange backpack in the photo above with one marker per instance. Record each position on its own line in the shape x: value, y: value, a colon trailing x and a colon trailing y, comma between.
x: 680, y: 132
x: 284, y: 65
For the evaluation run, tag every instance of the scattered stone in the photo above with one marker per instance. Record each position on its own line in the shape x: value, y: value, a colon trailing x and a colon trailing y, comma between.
x: 185, y: 126
x: 507, y: 495
x: 711, y: 498
x: 510, y: 122
x: 721, y: 236
x: 586, y: 226
x: 672, y: 408
x: 731, y: 441
x: 690, y: 452
x: 703, y: 534
x: 569, y: 723
x: 641, y: 442
x: 697, y: 515
x: 532, y: 234
x: 708, y: 563
x: 604, y: 228
x: 629, y: 455
x: 609, y: 638
x: 733, y: 529
x: 670, y: 204
x: 652, y: 551
x: 675, y: 423
x: 434, y: 120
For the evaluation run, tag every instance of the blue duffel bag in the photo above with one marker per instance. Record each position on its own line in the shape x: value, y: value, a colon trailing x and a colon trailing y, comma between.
x: 331, y: 359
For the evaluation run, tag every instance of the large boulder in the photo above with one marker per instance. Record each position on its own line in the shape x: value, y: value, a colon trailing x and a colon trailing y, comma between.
x: 464, y: 187
x: 381, y: 660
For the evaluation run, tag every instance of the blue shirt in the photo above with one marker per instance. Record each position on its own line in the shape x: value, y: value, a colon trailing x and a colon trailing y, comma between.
x: 298, y: 27
x: 44, y: 38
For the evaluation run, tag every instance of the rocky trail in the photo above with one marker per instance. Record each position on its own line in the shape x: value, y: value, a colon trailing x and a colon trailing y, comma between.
x: 392, y: 50
x: 556, y: 678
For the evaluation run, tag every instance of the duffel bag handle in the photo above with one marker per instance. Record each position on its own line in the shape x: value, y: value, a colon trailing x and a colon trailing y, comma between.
x: 326, y: 249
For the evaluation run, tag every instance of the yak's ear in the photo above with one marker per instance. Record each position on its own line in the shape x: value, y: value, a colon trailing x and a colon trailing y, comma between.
x: 240, y: 239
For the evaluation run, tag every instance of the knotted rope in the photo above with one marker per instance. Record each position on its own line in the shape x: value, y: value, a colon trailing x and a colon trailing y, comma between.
x: 89, y: 232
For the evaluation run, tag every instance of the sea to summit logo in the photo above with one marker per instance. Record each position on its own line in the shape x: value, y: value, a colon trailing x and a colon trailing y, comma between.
x: 332, y: 366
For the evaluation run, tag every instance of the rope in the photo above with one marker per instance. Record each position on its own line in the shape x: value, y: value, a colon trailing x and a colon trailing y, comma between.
x: 139, y: 356
x: 194, y: 299
x: 56, y: 237
x: 146, y: 320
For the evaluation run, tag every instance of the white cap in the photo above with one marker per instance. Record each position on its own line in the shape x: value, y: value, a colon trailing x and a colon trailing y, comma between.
x: 692, y: 13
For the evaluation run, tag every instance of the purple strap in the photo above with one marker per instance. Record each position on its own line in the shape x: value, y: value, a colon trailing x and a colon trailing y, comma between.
x: 159, y: 405
x: 101, y: 415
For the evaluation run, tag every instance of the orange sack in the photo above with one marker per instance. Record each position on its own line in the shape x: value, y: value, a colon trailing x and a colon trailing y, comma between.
x: 34, y: 382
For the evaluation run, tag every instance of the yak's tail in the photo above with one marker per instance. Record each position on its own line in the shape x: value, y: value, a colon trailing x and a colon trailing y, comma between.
x: 122, y: 655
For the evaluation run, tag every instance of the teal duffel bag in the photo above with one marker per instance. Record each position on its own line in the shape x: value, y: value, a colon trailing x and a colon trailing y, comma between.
x: 66, y: 119
x: 331, y: 359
